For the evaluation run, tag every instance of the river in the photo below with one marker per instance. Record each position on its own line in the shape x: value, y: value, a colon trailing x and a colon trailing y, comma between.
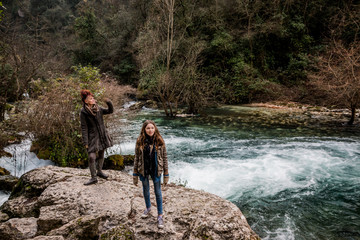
x: 290, y: 182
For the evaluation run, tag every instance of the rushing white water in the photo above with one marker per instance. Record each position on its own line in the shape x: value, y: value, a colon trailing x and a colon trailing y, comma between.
x: 3, y: 197
x: 22, y: 161
x: 288, y: 185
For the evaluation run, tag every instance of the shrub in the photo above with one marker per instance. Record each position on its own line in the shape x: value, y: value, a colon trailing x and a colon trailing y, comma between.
x: 52, y: 117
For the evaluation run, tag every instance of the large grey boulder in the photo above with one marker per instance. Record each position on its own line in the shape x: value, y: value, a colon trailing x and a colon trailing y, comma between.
x: 63, y: 207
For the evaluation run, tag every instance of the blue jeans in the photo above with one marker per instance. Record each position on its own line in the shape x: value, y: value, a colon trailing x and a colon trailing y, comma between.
x: 146, y: 192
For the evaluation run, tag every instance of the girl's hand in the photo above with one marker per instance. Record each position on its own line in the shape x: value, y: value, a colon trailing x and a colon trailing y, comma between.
x: 166, y: 179
x: 135, y: 180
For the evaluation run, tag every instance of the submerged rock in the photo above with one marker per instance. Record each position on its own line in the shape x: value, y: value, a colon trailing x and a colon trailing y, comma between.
x: 52, y: 203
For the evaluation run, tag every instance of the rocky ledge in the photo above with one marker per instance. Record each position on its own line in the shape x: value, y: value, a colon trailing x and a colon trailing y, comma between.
x: 52, y: 203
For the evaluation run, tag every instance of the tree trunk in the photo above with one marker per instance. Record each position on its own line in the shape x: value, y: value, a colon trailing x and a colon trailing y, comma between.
x: 163, y: 102
x: 171, y: 110
x: 2, y: 112
x: 353, y: 112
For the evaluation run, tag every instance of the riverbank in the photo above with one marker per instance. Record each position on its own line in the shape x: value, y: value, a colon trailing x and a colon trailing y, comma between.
x: 322, y: 115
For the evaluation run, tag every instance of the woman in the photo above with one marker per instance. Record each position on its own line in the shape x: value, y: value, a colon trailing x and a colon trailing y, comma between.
x: 151, y: 160
x: 94, y: 135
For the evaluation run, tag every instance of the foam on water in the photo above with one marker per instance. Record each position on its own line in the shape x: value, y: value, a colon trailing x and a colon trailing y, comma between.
x: 266, y: 167
x: 273, y: 170
x: 22, y: 159
x: 3, y: 197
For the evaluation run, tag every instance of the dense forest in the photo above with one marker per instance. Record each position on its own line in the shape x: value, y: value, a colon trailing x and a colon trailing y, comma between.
x: 180, y: 53
x: 187, y: 52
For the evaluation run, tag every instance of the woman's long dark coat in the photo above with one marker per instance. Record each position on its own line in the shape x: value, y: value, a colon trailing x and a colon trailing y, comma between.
x: 93, y: 130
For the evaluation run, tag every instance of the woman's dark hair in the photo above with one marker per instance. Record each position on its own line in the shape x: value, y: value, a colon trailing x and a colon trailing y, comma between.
x: 84, y: 94
x: 158, y: 140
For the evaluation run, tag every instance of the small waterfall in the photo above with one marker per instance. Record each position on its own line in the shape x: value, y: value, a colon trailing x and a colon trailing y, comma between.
x: 22, y: 161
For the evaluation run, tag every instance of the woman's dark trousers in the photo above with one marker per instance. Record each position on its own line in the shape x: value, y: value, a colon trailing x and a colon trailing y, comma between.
x: 96, y: 163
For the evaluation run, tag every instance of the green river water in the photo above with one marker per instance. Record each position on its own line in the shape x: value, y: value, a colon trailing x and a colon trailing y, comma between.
x: 290, y: 182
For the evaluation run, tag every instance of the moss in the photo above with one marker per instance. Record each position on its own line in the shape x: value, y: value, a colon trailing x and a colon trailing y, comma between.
x: 129, y: 160
x: 22, y: 188
x: 79, y: 221
x: 65, y: 152
x: 3, y: 171
x: 115, y: 162
x: 43, y: 154
x: 118, y: 233
x: 18, y: 189
x: 35, y: 147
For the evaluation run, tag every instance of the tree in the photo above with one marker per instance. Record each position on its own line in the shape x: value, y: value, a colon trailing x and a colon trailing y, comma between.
x: 20, y: 59
x: 338, y: 76
x: 339, y: 67
x: 169, y: 57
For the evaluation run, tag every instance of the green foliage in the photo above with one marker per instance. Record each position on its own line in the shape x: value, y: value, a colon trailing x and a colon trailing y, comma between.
x: 91, y: 43
x: 238, y: 47
x: 1, y: 11
x: 114, y: 162
x: 150, y: 78
x: 125, y: 70
x: 222, y: 41
x: 52, y: 15
x: 88, y: 76
x: 86, y: 27
x: 67, y: 151
x: 8, y: 88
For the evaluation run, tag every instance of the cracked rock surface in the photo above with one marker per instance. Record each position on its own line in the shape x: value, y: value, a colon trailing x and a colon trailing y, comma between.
x: 52, y: 203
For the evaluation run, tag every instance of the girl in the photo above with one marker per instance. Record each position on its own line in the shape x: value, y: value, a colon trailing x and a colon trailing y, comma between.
x: 151, y: 160
x: 94, y: 135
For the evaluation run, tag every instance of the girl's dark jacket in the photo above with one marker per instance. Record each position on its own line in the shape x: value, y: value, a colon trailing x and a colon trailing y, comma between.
x: 93, y: 130
x: 161, y: 157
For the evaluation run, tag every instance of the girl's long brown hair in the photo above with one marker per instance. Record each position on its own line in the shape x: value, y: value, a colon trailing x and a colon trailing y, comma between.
x: 158, y: 140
